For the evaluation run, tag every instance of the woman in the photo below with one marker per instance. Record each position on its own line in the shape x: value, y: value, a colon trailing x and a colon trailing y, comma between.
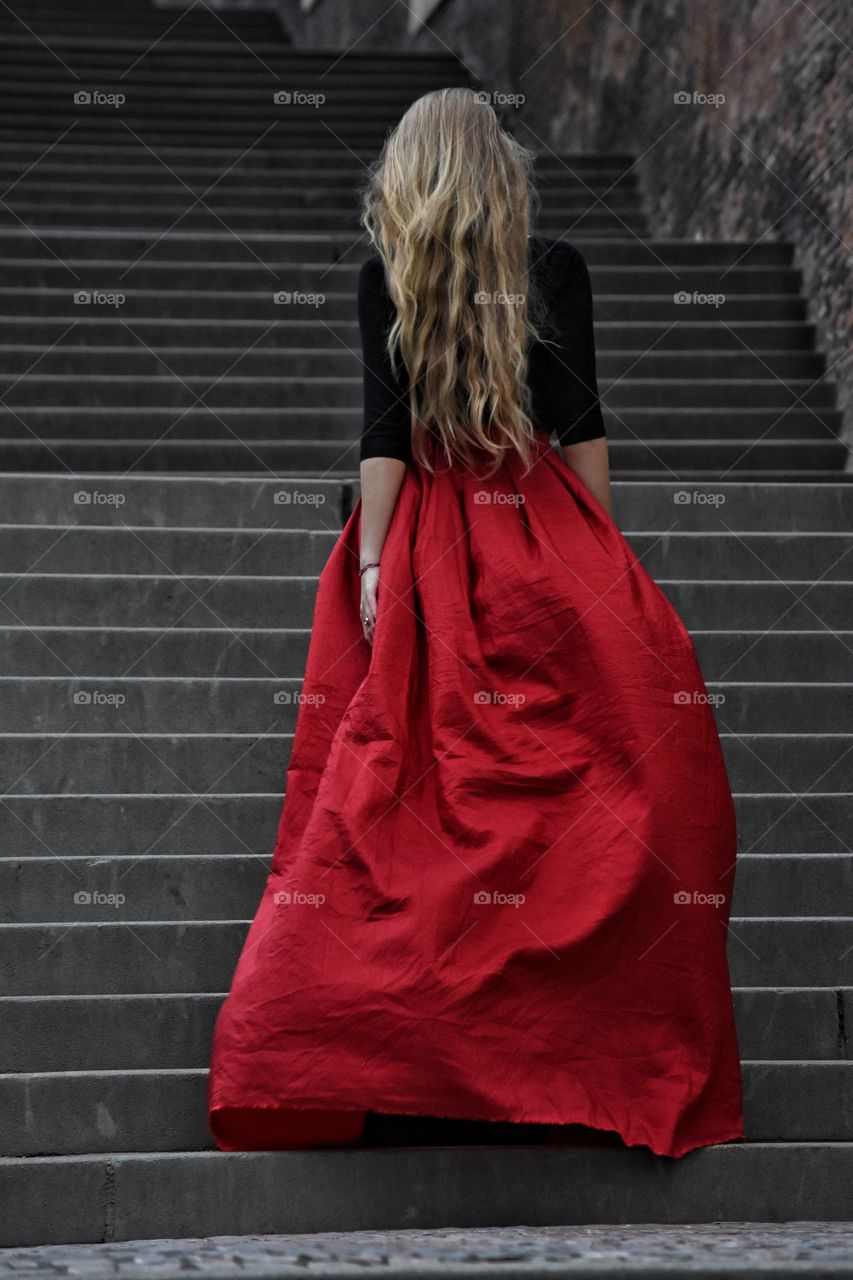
x: 504, y: 864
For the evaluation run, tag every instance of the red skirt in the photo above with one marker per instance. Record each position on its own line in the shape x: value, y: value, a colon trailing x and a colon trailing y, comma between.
x: 505, y: 859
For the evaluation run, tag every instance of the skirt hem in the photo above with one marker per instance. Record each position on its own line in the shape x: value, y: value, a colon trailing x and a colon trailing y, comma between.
x: 735, y: 1135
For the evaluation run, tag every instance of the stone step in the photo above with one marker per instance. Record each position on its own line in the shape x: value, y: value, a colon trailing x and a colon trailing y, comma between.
x: 152, y: 761
x: 407, y: 64
x: 115, y: 299
x: 329, y: 248
x: 129, y: 549
x: 124, y: 1196
x: 209, y: 215
x: 339, y: 360
x: 105, y: 958
x: 699, y: 457
x: 107, y: 133
x: 142, y: 27
x: 183, y: 822
x: 119, y: 50
x: 235, y: 390
x: 66, y: 1113
x: 92, y: 423
x: 29, y: 335
x: 188, y: 600
x: 144, y: 1032
x: 224, y: 502
x: 205, y: 887
x: 72, y: 173
x: 91, y: 653
x: 337, y: 282
x: 303, y: 188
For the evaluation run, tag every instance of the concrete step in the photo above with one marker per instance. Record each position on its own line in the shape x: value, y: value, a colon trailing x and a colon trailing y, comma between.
x: 97, y: 422
x: 586, y: 218
x: 406, y: 64
x: 260, y: 305
x: 65, y: 1113
x: 183, y: 822
x: 125, y: 246
x: 163, y: 1030
x: 29, y: 335
x: 337, y: 359
x: 90, y: 652
x: 205, y: 887
x: 166, y: 599
x: 129, y: 549
x: 700, y: 457
x: 224, y: 502
x: 111, y: 958
x: 302, y: 188
x: 154, y: 761
x: 129, y: 1197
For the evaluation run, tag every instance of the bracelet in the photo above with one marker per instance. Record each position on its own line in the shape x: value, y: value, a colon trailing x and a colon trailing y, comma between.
x: 365, y: 567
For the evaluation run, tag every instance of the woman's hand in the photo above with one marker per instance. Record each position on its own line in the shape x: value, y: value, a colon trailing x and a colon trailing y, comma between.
x: 369, y: 597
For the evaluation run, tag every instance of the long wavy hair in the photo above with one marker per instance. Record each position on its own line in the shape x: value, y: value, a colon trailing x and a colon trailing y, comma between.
x: 448, y: 207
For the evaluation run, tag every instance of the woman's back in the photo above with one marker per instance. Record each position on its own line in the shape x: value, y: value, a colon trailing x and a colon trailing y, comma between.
x: 561, y: 370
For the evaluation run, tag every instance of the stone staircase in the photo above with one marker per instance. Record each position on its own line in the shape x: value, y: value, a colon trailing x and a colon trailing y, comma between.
x: 175, y: 467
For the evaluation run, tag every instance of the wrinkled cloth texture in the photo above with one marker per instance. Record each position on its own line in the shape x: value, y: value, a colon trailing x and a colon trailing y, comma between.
x: 505, y: 858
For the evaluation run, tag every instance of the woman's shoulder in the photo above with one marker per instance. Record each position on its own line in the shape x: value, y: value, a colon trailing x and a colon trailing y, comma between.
x: 372, y: 270
x: 553, y: 259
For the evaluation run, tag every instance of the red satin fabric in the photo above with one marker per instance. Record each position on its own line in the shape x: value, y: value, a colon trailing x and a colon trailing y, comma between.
x: 529, y: 726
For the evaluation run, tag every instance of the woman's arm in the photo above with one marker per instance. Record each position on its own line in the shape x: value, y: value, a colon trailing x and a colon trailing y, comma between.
x: 381, y: 479
x: 590, y: 463
x: 385, y: 446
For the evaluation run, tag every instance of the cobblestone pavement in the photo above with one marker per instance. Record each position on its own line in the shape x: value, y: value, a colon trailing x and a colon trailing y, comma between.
x: 723, y: 1249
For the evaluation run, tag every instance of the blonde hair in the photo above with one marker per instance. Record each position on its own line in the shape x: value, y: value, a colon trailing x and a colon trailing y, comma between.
x: 448, y: 208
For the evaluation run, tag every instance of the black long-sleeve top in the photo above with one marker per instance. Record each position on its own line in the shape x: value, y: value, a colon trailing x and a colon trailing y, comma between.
x: 561, y: 373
